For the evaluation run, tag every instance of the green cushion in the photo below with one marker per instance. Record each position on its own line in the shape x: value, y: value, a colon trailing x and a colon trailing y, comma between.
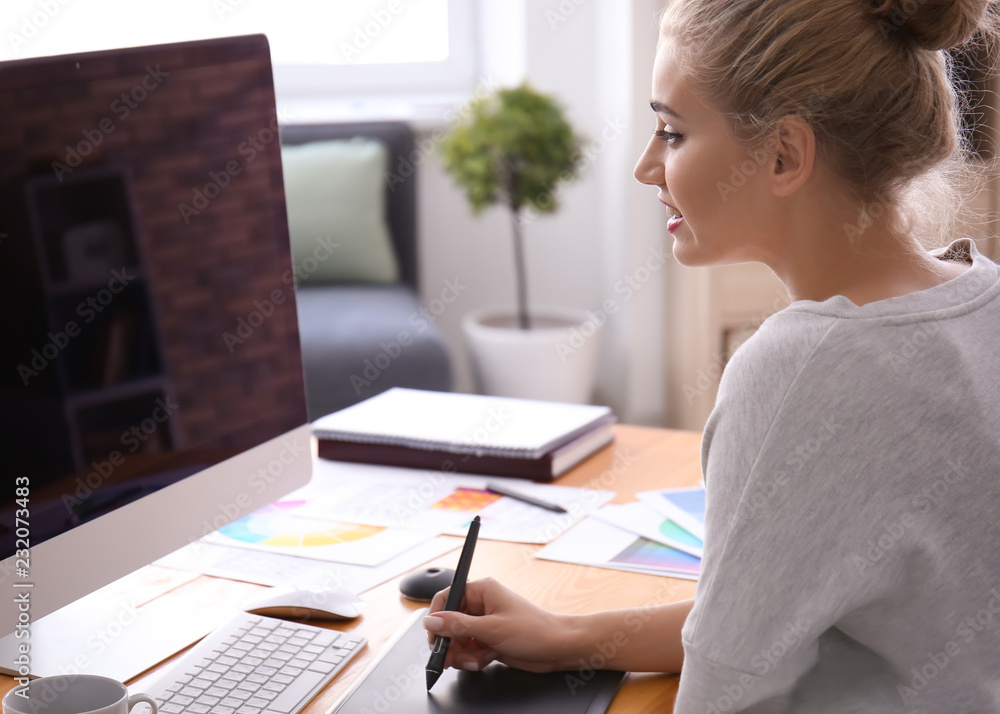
x: 335, y: 192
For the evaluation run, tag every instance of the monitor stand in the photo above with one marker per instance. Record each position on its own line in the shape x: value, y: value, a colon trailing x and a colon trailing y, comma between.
x: 107, y: 633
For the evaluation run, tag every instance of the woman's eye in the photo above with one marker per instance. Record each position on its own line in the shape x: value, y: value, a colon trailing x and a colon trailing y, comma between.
x: 670, y: 137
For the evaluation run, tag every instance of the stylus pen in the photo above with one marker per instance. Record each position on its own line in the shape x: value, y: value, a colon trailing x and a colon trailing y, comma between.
x: 435, y: 665
x: 504, y: 491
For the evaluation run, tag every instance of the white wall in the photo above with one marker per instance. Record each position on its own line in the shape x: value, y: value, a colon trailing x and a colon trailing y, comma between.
x: 600, y: 249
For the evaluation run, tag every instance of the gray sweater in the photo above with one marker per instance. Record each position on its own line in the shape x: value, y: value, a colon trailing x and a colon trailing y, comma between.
x: 852, y: 550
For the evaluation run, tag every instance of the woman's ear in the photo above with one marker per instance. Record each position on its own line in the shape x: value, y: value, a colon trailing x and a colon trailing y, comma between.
x: 794, y: 156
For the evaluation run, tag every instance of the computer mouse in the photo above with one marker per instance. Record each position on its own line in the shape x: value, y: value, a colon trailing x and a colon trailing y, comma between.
x: 306, y: 603
x: 423, y: 584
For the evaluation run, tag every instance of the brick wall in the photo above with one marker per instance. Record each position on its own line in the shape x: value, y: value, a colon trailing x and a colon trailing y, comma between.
x: 172, y: 129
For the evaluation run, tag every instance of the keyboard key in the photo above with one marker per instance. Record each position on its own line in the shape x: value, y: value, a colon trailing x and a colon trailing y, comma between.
x: 331, y: 656
x: 325, y: 638
x: 324, y: 667
x: 291, y: 697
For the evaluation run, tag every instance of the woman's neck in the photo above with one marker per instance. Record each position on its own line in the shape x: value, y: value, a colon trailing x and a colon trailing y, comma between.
x: 825, y: 253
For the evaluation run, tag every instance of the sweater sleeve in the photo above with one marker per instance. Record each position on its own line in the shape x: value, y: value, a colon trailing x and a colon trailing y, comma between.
x: 789, y: 457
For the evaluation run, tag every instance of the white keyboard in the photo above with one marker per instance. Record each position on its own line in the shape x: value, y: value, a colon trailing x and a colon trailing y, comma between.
x: 255, y: 665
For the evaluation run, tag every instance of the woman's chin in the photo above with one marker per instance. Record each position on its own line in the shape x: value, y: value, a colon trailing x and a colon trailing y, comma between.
x: 686, y: 252
x: 691, y: 254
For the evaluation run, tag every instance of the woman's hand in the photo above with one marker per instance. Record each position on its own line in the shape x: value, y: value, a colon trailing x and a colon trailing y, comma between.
x: 496, y: 623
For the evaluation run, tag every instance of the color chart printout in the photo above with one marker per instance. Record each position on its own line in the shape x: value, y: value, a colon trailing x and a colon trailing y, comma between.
x: 282, y: 528
x: 443, y: 503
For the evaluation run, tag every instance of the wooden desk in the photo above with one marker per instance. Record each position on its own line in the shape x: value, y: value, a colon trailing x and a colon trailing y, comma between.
x: 640, y: 459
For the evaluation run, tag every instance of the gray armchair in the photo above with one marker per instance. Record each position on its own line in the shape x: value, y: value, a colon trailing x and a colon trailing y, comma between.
x: 361, y: 339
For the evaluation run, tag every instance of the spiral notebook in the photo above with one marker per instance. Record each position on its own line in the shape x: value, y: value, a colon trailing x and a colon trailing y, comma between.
x: 462, y: 423
x: 395, y: 684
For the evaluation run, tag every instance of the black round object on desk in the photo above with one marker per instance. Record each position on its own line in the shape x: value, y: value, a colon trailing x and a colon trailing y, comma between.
x: 423, y: 584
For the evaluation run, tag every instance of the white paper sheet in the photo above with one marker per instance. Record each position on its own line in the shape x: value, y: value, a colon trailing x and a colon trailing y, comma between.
x: 594, y: 542
x: 275, y: 569
x: 442, y: 502
x: 642, y: 520
x: 685, y: 506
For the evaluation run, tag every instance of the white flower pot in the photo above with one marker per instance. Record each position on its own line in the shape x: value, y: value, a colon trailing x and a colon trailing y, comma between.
x: 555, y: 360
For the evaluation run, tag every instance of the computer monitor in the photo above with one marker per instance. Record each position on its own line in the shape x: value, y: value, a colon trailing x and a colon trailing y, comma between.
x: 151, y: 387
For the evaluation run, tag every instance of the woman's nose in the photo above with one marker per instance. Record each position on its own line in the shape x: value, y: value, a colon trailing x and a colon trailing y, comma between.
x: 649, y: 168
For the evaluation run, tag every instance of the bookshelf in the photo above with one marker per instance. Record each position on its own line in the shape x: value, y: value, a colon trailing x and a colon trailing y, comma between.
x: 102, y: 342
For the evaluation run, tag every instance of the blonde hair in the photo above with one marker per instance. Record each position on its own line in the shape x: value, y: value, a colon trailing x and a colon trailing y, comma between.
x: 869, y: 76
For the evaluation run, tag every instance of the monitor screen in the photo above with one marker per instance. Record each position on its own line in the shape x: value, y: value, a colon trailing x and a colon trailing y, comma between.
x: 149, y: 323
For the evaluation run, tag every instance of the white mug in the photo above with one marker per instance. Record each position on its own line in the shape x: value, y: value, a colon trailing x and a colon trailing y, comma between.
x: 73, y: 694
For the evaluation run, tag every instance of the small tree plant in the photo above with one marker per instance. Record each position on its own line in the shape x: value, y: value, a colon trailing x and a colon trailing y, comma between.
x: 513, y: 147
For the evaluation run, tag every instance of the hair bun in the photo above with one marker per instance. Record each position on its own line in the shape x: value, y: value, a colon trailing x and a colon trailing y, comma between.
x: 935, y: 24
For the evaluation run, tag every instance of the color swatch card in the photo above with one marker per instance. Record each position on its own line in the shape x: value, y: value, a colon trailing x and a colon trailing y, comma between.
x: 595, y: 542
x: 282, y: 528
x: 642, y: 520
x: 684, y: 506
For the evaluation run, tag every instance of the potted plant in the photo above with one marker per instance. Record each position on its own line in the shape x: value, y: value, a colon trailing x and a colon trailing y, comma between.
x: 514, y: 148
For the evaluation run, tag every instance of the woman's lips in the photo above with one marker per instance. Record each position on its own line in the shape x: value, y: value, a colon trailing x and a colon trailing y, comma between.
x: 675, y: 217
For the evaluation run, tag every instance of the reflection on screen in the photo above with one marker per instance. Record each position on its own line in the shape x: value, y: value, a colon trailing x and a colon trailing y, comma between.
x: 147, y: 330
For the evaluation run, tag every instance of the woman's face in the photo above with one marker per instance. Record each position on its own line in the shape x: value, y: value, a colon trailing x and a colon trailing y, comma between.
x: 713, y: 188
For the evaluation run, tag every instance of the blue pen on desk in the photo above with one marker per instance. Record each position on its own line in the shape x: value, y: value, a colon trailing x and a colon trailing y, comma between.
x: 435, y: 665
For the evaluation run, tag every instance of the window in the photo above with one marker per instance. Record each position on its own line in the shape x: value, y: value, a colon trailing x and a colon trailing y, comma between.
x: 326, y: 50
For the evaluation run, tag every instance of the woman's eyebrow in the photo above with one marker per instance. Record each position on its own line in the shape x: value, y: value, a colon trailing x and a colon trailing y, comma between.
x: 661, y: 108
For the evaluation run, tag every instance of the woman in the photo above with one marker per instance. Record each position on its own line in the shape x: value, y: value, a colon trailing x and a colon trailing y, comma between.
x: 852, y: 462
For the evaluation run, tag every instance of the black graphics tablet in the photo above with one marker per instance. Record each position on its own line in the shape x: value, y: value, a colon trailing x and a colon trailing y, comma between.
x: 396, y: 685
